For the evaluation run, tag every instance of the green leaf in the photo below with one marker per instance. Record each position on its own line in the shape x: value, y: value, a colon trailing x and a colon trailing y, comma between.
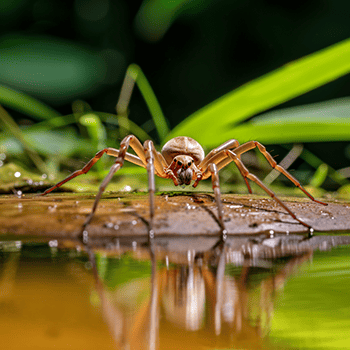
x: 26, y: 104
x: 134, y: 74
x: 95, y: 129
x: 218, y: 121
x: 319, y: 122
x: 54, y: 69
x: 11, y: 128
x: 320, y: 176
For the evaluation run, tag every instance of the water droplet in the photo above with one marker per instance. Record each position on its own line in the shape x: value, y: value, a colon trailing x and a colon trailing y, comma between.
x: 52, y: 208
x: 17, y: 174
x: 272, y: 233
x: 85, y: 237
x: 116, y: 227
x: 134, y: 222
x: 224, y: 235
x: 20, y: 206
x: 53, y: 244
x: 44, y: 176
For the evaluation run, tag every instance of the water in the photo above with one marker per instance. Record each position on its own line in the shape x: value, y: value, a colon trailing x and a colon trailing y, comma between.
x: 266, y: 294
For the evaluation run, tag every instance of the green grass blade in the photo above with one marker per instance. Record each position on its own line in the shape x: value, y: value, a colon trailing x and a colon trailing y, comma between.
x: 95, y: 129
x: 132, y: 127
x: 25, y: 104
x: 216, y: 121
x: 320, y: 176
x: 97, y: 135
x: 316, y: 162
x: 135, y: 73
x: 28, y: 144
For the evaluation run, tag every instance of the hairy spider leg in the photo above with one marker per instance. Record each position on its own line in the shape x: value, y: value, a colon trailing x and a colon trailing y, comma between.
x: 109, y: 151
x: 154, y: 164
x: 222, y: 159
x: 216, y: 188
x: 253, y: 144
x: 150, y: 159
x: 255, y: 179
x: 230, y: 144
x: 135, y: 144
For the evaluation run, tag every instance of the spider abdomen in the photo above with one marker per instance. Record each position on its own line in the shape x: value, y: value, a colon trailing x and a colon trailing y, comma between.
x: 183, y: 145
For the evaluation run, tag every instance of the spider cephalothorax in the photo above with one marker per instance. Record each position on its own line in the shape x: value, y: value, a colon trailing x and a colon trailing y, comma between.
x: 183, y: 169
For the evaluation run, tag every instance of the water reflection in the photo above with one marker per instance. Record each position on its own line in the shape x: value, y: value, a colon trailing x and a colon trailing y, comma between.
x: 221, y: 298
x: 176, y: 294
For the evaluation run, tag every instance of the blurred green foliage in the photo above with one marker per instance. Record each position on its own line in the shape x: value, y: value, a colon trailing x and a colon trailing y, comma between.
x: 53, y: 53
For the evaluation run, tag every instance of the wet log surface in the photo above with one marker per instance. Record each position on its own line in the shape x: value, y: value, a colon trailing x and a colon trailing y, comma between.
x: 123, y: 214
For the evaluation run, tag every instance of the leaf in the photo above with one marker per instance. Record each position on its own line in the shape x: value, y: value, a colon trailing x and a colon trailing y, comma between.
x: 319, y: 122
x: 26, y: 104
x: 96, y: 130
x: 134, y: 75
x: 28, y: 144
x: 216, y: 122
x: 54, y: 69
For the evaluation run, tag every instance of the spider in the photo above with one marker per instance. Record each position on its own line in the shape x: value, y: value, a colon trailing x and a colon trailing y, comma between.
x: 182, y: 159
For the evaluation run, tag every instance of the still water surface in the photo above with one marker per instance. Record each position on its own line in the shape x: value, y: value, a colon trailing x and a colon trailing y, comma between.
x: 55, y: 297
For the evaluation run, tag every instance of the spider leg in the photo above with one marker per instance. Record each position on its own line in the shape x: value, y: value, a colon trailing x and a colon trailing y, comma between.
x: 209, y: 158
x: 221, y: 160
x: 129, y: 140
x: 110, y: 151
x: 226, y: 145
x: 252, y: 177
x: 216, y: 188
x: 156, y: 164
x: 150, y: 159
x: 254, y: 144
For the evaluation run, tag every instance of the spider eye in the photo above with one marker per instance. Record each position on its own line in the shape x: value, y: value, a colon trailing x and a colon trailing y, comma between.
x: 179, y: 163
x: 189, y: 164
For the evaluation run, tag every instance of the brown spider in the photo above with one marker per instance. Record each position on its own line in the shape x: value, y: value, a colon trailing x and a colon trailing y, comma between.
x: 182, y: 159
